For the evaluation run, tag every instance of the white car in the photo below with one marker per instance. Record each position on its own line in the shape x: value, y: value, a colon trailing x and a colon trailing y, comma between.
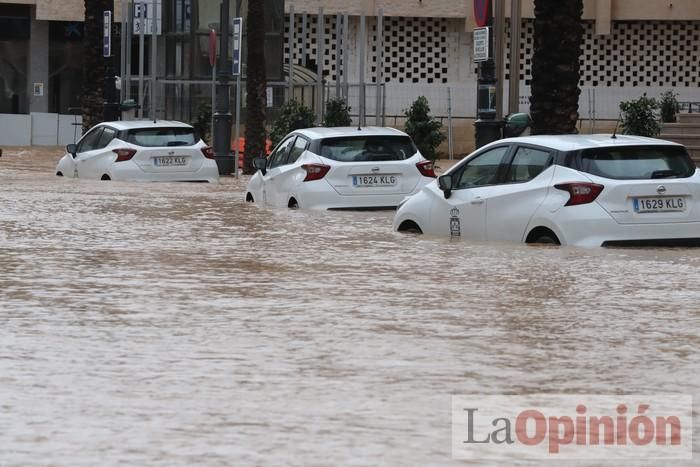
x: 163, y: 151
x: 340, y: 168
x: 583, y: 190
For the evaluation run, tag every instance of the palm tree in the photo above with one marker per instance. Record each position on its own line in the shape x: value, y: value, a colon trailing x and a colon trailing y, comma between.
x: 256, y: 83
x: 94, y: 64
x: 556, y: 66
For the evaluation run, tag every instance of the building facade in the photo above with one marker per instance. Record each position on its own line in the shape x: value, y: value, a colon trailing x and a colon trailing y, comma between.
x: 630, y: 48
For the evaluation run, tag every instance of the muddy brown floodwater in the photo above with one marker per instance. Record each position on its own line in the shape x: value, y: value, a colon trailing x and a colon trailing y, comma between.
x: 174, y: 324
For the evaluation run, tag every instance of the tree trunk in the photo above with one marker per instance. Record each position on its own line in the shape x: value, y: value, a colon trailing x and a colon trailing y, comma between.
x: 94, y: 64
x: 256, y: 84
x: 556, y: 66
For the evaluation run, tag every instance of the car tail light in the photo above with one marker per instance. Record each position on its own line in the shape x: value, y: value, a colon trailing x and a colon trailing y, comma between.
x: 427, y: 169
x: 124, y: 154
x: 315, y: 171
x: 208, y: 152
x: 580, y: 192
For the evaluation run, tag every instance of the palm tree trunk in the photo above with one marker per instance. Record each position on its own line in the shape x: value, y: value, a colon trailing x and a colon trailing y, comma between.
x: 94, y: 64
x: 256, y: 84
x: 556, y: 66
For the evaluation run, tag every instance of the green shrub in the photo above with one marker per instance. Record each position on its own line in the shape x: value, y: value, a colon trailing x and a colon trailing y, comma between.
x: 292, y: 116
x: 337, y: 113
x: 202, y: 122
x: 669, y: 106
x: 641, y: 117
x: 423, y: 128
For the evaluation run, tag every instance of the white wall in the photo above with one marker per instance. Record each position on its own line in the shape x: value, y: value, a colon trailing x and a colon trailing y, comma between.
x: 15, y: 130
x: 39, y: 129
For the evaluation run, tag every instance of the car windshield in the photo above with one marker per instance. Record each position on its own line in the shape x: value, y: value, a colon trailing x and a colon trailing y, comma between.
x: 638, y: 162
x: 368, y: 148
x: 159, y: 137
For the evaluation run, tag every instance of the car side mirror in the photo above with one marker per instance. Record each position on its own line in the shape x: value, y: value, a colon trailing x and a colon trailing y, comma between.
x: 260, y: 163
x: 445, y: 184
x: 72, y: 149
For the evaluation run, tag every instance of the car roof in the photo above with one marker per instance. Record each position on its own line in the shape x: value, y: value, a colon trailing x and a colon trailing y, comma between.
x: 323, y: 132
x: 142, y: 124
x: 578, y: 142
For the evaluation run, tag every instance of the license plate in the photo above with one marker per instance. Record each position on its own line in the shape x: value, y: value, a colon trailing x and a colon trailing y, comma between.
x: 661, y: 204
x: 374, y: 180
x: 169, y: 161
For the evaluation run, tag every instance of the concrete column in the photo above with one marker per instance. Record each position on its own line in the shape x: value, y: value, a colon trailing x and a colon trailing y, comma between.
x: 38, y: 64
x: 603, y: 17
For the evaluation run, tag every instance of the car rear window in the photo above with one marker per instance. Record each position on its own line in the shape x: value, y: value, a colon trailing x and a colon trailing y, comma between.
x: 157, y: 137
x: 368, y: 148
x: 638, y: 162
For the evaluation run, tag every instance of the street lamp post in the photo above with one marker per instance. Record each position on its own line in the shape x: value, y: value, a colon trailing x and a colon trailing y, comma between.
x: 222, y: 116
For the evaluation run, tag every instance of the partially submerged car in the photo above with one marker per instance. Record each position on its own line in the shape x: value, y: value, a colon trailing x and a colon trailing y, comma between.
x: 340, y: 168
x: 583, y: 190
x: 164, y: 151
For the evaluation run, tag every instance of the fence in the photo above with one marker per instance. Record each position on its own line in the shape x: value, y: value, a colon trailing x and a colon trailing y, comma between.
x: 39, y: 129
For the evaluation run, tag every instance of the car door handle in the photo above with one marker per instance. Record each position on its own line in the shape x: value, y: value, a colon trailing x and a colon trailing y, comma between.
x: 477, y: 200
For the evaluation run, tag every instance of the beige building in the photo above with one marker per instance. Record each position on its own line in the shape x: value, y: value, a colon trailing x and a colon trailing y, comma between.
x: 630, y: 48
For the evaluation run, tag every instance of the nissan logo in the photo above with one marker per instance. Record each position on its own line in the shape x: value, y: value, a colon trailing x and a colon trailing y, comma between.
x: 661, y: 189
x: 375, y: 169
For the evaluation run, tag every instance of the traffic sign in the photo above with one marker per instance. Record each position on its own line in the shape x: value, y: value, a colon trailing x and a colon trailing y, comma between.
x: 237, y: 45
x: 151, y: 11
x: 482, y: 44
x: 482, y: 12
x: 107, y: 34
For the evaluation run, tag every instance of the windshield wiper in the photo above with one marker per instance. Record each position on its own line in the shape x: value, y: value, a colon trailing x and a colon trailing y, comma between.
x: 665, y: 174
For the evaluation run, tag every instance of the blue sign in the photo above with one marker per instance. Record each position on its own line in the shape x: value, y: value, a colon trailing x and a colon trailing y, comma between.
x: 237, y: 45
x: 107, y: 34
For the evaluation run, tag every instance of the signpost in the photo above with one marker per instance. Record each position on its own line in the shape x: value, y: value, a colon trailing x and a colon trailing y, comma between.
x: 107, y: 34
x: 482, y: 44
x: 237, y: 51
x: 212, y: 64
x: 149, y: 15
x: 488, y: 124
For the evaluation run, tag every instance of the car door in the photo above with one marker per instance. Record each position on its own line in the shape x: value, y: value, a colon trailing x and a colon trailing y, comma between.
x: 87, y: 148
x: 286, y: 180
x: 511, y: 204
x: 463, y: 214
x: 96, y: 163
x: 271, y: 185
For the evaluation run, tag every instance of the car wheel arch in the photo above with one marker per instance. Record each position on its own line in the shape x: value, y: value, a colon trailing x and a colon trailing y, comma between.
x: 249, y: 198
x: 542, y: 235
x: 409, y: 226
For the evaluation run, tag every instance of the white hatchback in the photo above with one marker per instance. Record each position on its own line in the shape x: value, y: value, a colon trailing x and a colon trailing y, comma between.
x: 164, y: 151
x: 583, y: 190
x: 340, y: 168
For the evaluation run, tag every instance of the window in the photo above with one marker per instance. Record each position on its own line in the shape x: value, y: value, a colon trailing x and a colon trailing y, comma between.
x: 90, y: 141
x: 483, y: 170
x: 368, y: 148
x: 108, y: 135
x: 299, y: 147
x: 527, y: 164
x: 638, y: 162
x: 279, y: 156
x: 162, y: 137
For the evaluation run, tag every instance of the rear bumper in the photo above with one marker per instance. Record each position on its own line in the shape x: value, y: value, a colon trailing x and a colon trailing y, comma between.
x: 321, y: 195
x: 130, y: 171
x: 591, y: 226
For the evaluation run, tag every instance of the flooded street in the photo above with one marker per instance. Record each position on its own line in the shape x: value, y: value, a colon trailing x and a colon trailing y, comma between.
x: 174, y: 324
